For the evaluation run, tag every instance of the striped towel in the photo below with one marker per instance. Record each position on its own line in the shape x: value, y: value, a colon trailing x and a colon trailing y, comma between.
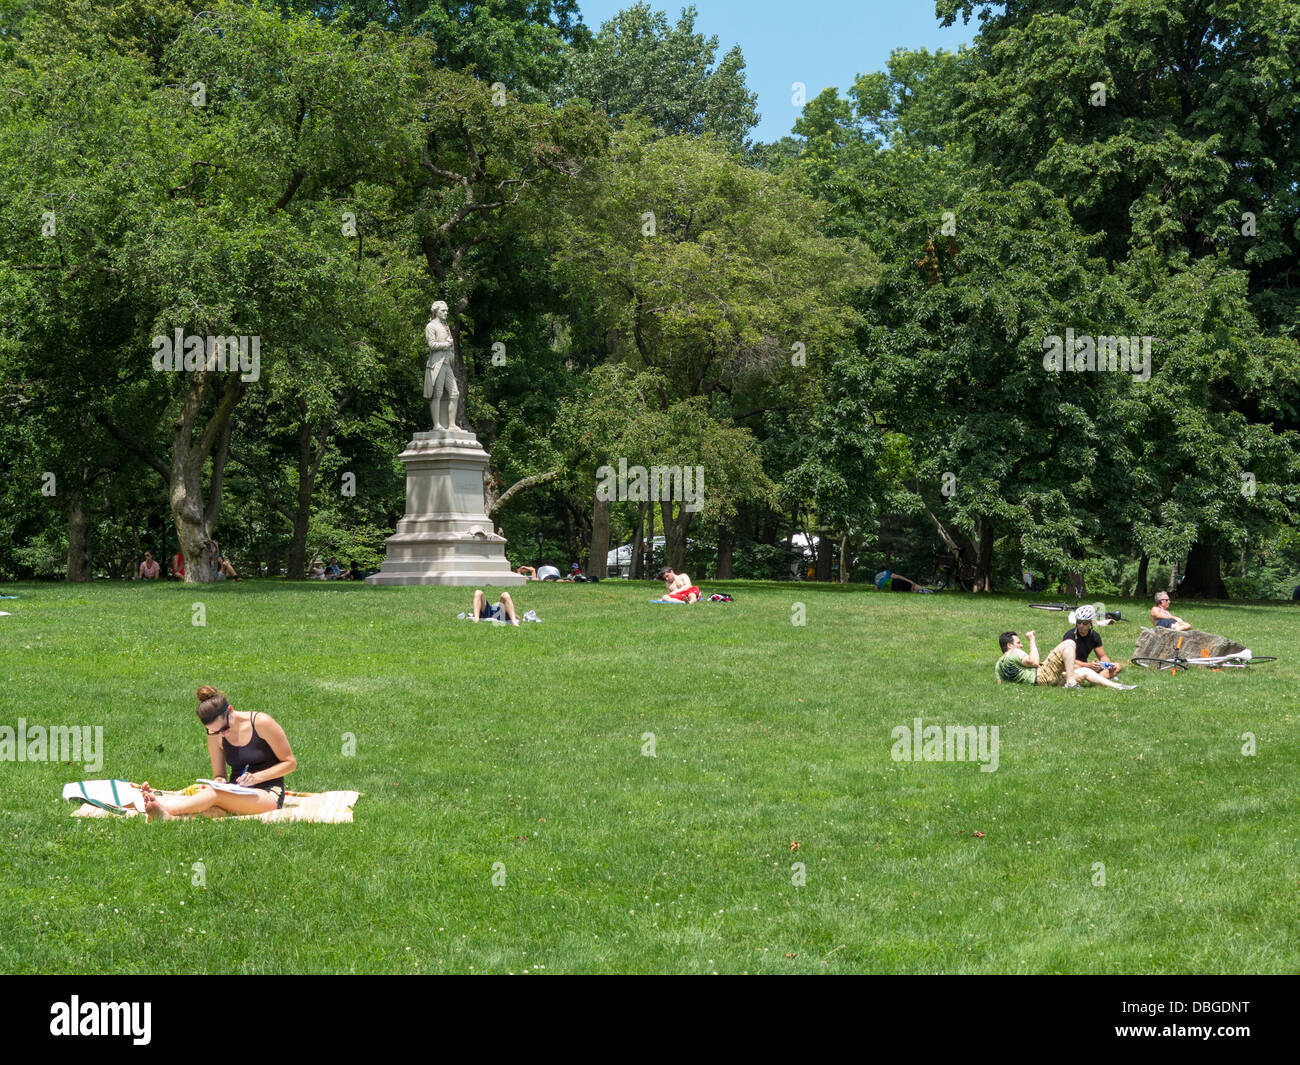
x: 106, y: 796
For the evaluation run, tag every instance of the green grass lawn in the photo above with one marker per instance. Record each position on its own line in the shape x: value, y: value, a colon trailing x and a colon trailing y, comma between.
x: 478, y: 745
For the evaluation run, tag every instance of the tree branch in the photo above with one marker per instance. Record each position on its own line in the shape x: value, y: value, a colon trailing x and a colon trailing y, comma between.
x: 519, y: 486
x: 136, y: 447
x: 271, y: 497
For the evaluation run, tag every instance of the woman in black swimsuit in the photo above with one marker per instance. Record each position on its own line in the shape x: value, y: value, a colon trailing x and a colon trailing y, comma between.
x: 254, y: 748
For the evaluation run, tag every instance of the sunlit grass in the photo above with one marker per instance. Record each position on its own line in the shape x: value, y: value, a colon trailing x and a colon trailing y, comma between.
x: 479, y: 745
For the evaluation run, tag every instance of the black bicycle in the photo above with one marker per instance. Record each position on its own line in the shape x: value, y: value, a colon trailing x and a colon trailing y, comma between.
x: 1109, y: 615
x: 952, y: 571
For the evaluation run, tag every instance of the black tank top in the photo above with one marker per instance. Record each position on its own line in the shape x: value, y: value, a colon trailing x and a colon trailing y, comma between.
x: 254, y: 756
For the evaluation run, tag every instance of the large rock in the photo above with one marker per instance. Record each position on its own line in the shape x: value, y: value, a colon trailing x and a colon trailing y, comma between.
x: 1163, y: 643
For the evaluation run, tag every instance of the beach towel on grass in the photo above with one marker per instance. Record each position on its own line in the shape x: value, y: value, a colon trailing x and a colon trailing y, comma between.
x: 106, y: 798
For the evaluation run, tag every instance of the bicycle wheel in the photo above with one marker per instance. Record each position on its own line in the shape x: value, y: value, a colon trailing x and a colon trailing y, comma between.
x: 1161, y: 663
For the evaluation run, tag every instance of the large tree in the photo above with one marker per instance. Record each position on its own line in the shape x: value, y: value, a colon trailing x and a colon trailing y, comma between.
x: 210, y: 198
x: 640, y: 64
x: 710, y: 273
x: 1169, y: 130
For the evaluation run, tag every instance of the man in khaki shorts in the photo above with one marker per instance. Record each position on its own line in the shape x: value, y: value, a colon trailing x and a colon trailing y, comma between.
x: 1018, y: 667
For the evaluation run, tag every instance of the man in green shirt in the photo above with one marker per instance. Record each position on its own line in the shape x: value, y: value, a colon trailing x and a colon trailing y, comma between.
x: 1016, y: 666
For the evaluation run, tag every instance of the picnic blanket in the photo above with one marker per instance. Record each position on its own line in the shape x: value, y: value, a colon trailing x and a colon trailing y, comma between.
x: 118, y: 798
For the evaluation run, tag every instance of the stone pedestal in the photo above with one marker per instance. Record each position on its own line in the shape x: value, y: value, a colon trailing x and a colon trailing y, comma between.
x: 445, y: 536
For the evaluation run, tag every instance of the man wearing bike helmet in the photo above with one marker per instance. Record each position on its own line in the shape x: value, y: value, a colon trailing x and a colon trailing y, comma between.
x: 1087, y: 639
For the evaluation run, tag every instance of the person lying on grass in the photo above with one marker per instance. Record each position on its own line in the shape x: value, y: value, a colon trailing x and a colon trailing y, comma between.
x: 503, y: 611
x: 1018, y: 667
x: 1087, y: 639
x: 888, y: 581
x: 255, y: 749
x: 678, y: 587
x: 1163, y: 619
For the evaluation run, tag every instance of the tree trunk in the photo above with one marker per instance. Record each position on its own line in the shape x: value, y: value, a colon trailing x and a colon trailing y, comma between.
x: 1204, y: 574
x: 675, y: 529
x: 1173, y: 577
x: 984, y: 555
x: 596, y: 564
x: 79, y: 539
x: 824, y: 558
x: 302, y: 506
x: 273, y: 562
x: 1140, y: 591
x: 649, y: 540
x: 195, y: 521
x: 572, y: 546
x: 725, y: 552
x: 844, y: 558
x: 636, y: 556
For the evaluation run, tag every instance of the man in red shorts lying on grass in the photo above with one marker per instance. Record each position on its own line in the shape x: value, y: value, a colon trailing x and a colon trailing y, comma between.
x: 678, y: 587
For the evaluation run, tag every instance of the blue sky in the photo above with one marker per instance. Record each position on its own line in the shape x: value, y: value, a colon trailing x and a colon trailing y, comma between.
x: 817, y: 42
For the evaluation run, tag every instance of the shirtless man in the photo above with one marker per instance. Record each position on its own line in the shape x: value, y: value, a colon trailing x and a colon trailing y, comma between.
x: 1161, y: 617
x: 678, y: 587
x: 1018, y: 667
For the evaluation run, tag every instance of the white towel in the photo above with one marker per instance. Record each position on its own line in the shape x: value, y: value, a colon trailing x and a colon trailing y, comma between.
x: 116, y: 796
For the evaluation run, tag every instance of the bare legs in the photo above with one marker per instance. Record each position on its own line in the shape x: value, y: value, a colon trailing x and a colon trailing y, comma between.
x: 208, y: 802
x: 1067, y: 649
x: 1092, y: 676
x: 507, y: 604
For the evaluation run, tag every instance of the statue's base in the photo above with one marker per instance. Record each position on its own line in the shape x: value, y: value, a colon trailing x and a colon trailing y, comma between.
x: 446, y: 536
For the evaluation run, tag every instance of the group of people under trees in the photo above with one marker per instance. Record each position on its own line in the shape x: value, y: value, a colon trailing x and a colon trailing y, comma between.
x: 677, y: 589
x: 1067, y: 664
x: 549, y: 572
x: 150, y: 570
x: 332, y: 571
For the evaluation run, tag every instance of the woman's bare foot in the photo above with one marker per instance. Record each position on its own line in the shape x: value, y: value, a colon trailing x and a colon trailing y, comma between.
x: 153, y: 809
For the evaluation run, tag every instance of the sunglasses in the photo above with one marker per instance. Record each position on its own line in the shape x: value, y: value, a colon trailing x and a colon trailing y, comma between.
x: 224, y: 728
